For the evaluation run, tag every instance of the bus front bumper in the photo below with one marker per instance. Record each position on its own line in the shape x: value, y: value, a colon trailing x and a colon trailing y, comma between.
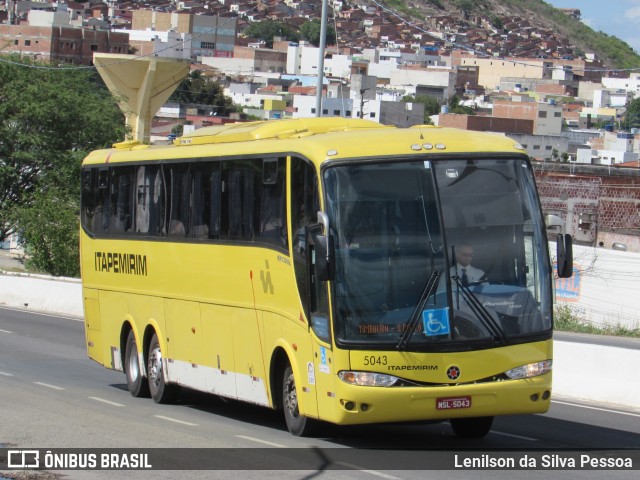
x: 359, y: 405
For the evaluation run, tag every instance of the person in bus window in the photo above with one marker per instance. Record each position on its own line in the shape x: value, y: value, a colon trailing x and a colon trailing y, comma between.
x: 467, y: 273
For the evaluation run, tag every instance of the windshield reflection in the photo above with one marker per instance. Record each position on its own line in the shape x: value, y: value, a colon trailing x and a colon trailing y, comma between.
x: 395, y: 224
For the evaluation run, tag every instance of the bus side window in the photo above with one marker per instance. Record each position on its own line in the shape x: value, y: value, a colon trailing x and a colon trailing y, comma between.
x: 102, y: 202
x: 205, y: 218
x: 149, y: 189
x: 121, y: 219
x: 179, y: 199
x: 89, y: 195
x: 238, y: 197
x: 271, y: 225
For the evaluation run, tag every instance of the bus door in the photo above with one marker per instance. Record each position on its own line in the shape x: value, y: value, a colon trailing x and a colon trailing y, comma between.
x: 319, y: 321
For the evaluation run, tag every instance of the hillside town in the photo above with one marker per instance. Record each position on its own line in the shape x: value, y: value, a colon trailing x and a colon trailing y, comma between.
x: 513, y: 77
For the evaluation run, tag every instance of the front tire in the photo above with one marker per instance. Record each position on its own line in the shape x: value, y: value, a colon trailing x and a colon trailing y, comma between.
x: 298, y: 425
x: 161, y: 392
x: 475, y: 427
x: 136, y: 382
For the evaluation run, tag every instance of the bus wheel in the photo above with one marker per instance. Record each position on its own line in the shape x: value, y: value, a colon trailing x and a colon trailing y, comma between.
x: 138, y: 387
x: 161, y: 392
x: 476, y: 427
x: 298, y: 425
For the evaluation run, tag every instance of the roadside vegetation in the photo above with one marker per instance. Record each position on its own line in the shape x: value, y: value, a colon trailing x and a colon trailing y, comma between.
x: 50, y: 118
x: 567, y: 321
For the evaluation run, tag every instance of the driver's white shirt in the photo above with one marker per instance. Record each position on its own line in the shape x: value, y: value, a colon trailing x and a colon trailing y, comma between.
x: 473, y: 274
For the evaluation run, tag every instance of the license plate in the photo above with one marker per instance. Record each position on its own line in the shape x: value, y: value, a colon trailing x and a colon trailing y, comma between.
x: 452, y: 403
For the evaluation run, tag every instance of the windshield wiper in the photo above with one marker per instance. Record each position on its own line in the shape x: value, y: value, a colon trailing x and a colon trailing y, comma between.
x: 406, y: 335
x: 480, y: 311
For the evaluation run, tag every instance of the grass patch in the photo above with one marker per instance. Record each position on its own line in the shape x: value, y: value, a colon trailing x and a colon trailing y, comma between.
x: 567, y: 321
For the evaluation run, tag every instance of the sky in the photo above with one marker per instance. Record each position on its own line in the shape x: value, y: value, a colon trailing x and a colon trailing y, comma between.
x: 620, y: 18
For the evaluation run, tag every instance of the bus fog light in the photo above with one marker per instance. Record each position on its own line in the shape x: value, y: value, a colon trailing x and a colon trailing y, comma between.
x: 546, y: 395
x: 530, y: 370
x: 367, y: 379
x: 349, y: 405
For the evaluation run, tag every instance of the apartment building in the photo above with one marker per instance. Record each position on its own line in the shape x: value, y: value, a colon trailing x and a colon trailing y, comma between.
x: 211, y: 35
x: 46, y: 37
x: 546, y: 117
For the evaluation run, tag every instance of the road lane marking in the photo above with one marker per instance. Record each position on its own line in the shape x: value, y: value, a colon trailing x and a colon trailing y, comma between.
x: 35, y: 312
x: 6, y: 374
x: 364, y: 470
x: 600, y: 409
x: 48, y: 385
x: 514, y: 436
x: 175, y: 420
x: 5, y: 331
x: 252, y: 439
x: 108, y: 402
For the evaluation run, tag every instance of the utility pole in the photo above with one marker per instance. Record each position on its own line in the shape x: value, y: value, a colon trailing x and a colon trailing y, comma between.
x: 362, y: 90
x: 323, y: 44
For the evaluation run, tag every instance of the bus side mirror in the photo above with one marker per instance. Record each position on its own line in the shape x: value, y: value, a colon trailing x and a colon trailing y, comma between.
x: 325, y: 266
x: 564, y: 254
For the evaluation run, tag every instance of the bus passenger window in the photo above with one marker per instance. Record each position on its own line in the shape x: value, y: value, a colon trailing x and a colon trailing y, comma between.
x: 179, y: 200
x: 149, y: 200
x: 238, y: 199
x: 271, y: 222
x: 89, y: 194
x: 205, y: 215
x: 121, y: 200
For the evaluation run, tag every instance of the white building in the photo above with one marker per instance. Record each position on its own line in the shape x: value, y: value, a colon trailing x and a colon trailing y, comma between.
x: 437, y: 82
x: 610, y: 98
x: 160, y: 43
x: 618, y: 148
x: 631, y: 84
x: 302, y: 59
x: 605, y: 157
x: 305, y: 107
x: 42, y: 18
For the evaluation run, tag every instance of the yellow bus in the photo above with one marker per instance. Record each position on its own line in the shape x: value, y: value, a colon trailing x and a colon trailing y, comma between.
x: 313, y: 266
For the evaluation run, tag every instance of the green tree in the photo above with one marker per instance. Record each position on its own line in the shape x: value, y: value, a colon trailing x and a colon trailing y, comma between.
x: 310, y: 31
x: 431, y: 105
x: 267, y: 29
x: 632, y: 116
x: 49, y: 119
x: 466, y: 6
x: 455, y: 107
x: 49, y: 228
x: 198, y: 89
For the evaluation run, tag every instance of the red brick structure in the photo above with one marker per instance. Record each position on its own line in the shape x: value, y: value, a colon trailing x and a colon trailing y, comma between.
x: 486, y: 124
x: 67, y: 45
x: 600, y: 205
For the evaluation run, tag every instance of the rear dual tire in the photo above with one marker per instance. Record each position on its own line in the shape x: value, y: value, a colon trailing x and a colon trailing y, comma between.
x: 153, y: 385
x: 136, y: 382
x: 161, y: 392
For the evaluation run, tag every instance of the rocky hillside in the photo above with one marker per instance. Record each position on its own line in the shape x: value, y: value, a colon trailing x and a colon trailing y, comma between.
x: 612, y: 51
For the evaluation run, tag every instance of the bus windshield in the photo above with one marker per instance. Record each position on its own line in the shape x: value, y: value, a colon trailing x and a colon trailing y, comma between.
x: 473, y: 224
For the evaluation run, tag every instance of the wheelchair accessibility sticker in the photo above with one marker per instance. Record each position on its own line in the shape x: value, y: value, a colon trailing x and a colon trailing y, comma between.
x: 436, y: 322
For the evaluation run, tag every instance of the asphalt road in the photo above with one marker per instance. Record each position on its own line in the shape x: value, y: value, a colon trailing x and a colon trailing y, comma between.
x: 53, y: 396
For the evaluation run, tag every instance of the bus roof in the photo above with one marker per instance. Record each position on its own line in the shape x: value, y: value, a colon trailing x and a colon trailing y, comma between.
x: 318, y: 139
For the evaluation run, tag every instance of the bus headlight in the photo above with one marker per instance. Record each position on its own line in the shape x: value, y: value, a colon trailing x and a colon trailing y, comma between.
x: 367, y: 379
x: 530, y: 370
